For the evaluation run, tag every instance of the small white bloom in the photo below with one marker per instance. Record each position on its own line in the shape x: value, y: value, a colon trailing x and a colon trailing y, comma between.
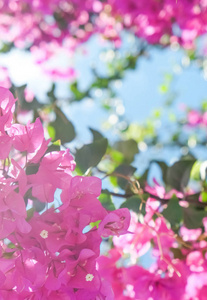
x: 44, y: 234
x: 89, y: 277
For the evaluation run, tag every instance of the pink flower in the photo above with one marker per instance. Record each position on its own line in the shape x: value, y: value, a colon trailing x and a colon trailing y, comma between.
x: 27, y: 138
x: 115, y: 223
x: 7, y: 106
x: 194, y: 117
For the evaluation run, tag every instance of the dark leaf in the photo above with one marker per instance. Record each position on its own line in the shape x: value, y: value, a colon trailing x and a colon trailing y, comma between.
x: 193, y: 217
x: 34, y: 105
x: 128, y: 148
x: 164, y: 168
x: 90, y: 155
x: 134, y: 203
x: 64, y: 129
x: 96, y: 134
x: 32, y: 169
x: 51, y: 93
x: 106, y: 200
x: 173, y: 212
x: 177, y: 253
x: 78, y: 95
x: 124, y: 170
x: 179, y: 173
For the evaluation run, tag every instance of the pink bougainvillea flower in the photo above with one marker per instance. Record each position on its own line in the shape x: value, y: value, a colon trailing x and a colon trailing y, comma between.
x: 5, y: 145
x: 7, y: 106
x: 137, y: 242
x: 194, y: 117
x: 27, y: 138
x: 148, y: 285
x: 115, y: 223
x: 54, y: 172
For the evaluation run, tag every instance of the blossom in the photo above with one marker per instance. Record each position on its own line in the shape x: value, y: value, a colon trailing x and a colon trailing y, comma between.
x: 115, y: 223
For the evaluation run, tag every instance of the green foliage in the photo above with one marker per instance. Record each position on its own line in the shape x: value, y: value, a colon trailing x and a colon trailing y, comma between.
x: 128, y: 148
x: 62, y: 127
x: 96, y: 134
x: 91, y: 154
x: 204, y: 196
x: 134, y: 203
x: 193, y: 217
x: 78, y: 95
x: 173, y: 213
x: 179, y: 173
x: 24, y: 105
x: 125, y: 171
x: 164, y: 168
x: 106, y: 200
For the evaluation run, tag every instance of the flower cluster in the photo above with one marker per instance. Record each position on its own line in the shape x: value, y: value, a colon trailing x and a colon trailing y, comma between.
x: 196, y: 118
x: 47, y: 26
x: 176, y: 263
x: 48, y: 252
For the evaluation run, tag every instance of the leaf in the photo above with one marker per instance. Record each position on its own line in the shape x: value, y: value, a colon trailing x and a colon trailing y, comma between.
x: 177, y: 253
x: 106, y: 200
x: 6, y: 47
x: 54, y: 147
x: 134, y: 203
x: 128, y: 148
x: 76, y: 92
x: 90, y: 155
x: 179, y: 173
x: 32, y: 169
x: 51, y: 93
x: 204, y: 196
x: 64, y: 129
x: 125, y: 170
x: 173, y: 213
x: 193, y: 217
x: 96, y: 134
x: 34, y: 105
x: 143, y: 179
x: 164, y: 168
x: 30, y: 213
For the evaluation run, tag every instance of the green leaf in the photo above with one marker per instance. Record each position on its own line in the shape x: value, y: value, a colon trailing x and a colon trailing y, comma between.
x: 106, y: 200
x: 51, y: 132
x: 134, y: 203
x: 34, y: 105
x: 96, y: 134
x: 195, y: 172
x: 32, y: 169
x: 51, y: 93
x: 204, y: 196
x: 125, y: 170
x: 30, y: 213
x: 54, y: 147
x: 76, y: 92
x: 177, y: 253
x: 90, y: 155
x: 164, y: 168
x: 6, y: 47
x: 179, y: 173
x: 128, y: 148
x: 173, y: 213
x: 64, y: 129
x: 193, y: 217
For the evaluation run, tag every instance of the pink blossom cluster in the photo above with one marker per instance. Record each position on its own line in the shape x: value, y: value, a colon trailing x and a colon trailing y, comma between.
x: 45, y: 26
x: 196, y: 118
x: 178, y: 262
x: 164, y: 22
x: 48, y: 253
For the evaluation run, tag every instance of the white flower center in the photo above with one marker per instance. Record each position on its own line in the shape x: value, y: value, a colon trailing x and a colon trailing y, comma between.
x: 44, y: 234
x: 89, y: 277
